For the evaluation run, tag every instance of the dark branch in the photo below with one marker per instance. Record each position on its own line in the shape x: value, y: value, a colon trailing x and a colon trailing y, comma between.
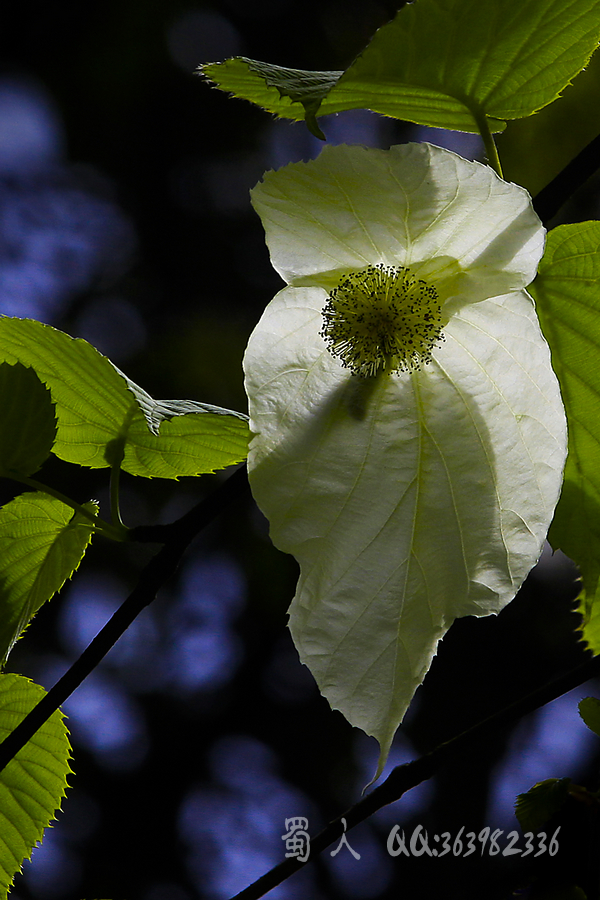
x: 550, y: 199
x: 161, y: 567
x: 405, y: 777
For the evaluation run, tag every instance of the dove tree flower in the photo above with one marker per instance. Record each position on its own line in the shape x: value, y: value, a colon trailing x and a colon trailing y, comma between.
x: 409, y: 435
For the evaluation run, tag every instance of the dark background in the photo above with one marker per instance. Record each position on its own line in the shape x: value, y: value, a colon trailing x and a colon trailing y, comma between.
x: 125, y: 219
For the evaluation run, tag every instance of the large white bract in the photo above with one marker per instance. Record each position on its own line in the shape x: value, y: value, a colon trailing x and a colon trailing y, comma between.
x: 421, y: 492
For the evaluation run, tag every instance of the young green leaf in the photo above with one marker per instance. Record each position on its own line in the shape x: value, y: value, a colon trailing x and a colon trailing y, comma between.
x: 33, y: 784
x: 42, y: 542
x: 289, y: 93
x: 182, y: 437
x: 446, y: 63
x: 589, y: 710
x: 28, y: 420
x: 104, y: 418
x: 568, y: 303
x: 535, y: 807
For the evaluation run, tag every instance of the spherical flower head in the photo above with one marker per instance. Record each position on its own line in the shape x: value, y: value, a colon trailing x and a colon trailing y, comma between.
x: 409, y: 432
x: 382, y: 318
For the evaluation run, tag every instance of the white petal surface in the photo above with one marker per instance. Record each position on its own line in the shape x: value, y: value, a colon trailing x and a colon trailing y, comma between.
x: 427, y: 500
x: 411, y: 205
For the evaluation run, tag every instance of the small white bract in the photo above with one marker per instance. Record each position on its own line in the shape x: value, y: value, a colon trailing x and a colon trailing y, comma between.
x: 409, y: 432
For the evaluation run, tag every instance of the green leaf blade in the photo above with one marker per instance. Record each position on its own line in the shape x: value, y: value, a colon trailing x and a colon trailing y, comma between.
x: 192, y: 443
x: 42, y: 543
x: 441, y: 63
x: 173, y: 438
x: 568, y: 303
x: 535, y: 807
x: 105, y: 417
x: 33, y: 784
x: 28, y: 420
x: 540, y: 48
x: 589, y: 710
x: 92, y: 402
x: 279, y: 89
x: 563, y: 129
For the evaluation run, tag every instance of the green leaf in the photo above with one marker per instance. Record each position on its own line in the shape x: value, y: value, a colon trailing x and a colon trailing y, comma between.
x: 588, y: 607
x: 589, y: 710
x: 33, y: 784
x: 182, y: 437
x: 568, y: 303
x: 42, y: 543
x: 104, y: 418
x: 534, y: 808
x: 289, y: 93
x: 445, y: 63
x: 563, y: 129
x: 28, y: 420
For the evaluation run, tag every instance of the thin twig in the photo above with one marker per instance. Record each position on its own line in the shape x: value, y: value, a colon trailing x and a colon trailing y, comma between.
x: 161, y: 567
x: 409, y: 775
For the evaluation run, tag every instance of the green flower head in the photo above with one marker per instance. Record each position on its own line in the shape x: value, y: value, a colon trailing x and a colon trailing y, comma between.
x: 409, y: 432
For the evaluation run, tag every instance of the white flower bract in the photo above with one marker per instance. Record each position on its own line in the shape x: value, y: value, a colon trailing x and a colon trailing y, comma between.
x: 422, y: 493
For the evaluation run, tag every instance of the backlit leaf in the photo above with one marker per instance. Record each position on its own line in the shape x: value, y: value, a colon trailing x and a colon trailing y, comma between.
x: 103, y: 417
x: 42, y: 542
x: 535, y: 807
x: 589, y: 710
x: 444, y: 63
x: 33, y: 784
x: 567, y: 291
x: 563, y: 129
x: 28, y: 420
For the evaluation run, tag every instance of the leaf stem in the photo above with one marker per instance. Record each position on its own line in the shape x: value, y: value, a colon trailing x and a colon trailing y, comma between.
x: 488, y: 141
x: 116, y: 532
x: 115, y: 510
x: 115, y: 481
